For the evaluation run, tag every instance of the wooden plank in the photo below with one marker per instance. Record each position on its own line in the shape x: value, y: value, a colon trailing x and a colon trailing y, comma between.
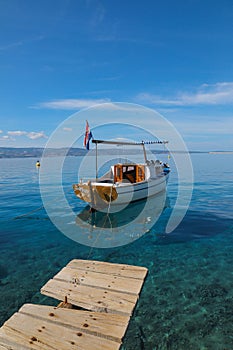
x: 90, y: 298
x: 109, y: 326
x: 123, y: 270
x: 100, y: 280
x: 41, y: 334
x: 9, y: 343
x: 98, y: 286
x: 5, y: 347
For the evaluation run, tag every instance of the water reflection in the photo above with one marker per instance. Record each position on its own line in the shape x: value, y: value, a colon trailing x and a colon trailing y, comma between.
x: 103, y: 230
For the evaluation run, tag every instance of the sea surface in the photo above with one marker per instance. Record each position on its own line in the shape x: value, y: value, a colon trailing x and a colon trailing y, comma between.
x: 187, y: 298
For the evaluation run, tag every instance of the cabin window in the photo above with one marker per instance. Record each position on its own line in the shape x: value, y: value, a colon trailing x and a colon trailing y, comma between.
x: 118, y: 173
x: 129, y: 173
x: 140, y: 173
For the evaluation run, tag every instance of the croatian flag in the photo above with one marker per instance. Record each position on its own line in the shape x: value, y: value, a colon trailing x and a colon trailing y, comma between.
x: 88, y: 136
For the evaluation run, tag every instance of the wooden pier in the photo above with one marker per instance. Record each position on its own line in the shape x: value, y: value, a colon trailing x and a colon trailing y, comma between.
x: 110, y: 293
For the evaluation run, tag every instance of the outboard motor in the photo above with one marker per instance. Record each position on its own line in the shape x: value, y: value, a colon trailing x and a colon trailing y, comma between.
x: 166, y: 168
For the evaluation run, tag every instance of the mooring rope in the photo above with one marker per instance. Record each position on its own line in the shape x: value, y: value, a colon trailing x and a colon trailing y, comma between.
x: 28, y: 213
x: 107, y: 217
x: 33, y: 211
x: 109, y: 204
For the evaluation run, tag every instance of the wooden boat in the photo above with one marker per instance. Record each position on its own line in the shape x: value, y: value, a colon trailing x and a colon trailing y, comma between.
x: 124, y: 182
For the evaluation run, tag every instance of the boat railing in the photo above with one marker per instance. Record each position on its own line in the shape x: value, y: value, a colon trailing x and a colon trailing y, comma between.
x: 99, y: 180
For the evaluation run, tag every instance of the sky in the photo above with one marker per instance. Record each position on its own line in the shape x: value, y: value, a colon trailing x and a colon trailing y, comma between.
x: 60, y: 56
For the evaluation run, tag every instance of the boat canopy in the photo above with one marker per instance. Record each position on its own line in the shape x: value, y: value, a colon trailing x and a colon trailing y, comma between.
x: 142, y: 143
x: 129, y: 143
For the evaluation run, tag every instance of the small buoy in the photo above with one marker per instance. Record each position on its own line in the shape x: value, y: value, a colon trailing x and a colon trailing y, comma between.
x: 38, y: 164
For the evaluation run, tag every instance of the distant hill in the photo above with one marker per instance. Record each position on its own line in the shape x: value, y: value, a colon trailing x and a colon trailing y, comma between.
x: 11, y: 152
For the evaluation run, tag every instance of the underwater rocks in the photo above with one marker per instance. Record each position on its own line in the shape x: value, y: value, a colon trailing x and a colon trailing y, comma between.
x: 3, y: 271
x: 207, y: 292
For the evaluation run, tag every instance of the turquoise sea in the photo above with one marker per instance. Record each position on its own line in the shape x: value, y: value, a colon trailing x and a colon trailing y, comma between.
x: 187, y: 298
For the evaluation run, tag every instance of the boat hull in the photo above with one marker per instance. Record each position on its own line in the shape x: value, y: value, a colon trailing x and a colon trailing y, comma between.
x: 109, y: 195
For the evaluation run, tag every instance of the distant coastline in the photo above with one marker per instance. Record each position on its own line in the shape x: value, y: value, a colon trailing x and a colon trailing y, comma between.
x: 220, y: 152
x: 37, y: 152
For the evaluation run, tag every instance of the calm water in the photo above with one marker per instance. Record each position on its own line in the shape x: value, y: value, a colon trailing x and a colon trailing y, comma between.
x: 187, y: 299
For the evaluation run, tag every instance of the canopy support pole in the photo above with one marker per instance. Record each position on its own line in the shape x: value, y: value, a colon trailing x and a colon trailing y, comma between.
x: 96, y: 162
x: 144, y: 152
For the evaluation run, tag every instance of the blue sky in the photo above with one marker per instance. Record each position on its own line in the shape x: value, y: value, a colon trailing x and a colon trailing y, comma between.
x: 57, y: 57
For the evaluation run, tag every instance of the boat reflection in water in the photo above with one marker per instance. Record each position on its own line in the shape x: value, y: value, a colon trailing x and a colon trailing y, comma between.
x: 105, y: 230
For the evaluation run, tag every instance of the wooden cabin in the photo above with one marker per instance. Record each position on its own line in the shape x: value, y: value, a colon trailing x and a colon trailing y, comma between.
x: 129, y: 172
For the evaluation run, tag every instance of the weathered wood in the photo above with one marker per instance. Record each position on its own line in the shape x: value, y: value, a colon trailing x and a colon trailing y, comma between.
x: 100, y: 280
x: 111, y: 290
x: 55, y: 330
x: 9, y: 343
x: 98, y: 286
x: 4, y: 347
x: 109, y: 326
x: 123, y: 270
x: 101, y: 300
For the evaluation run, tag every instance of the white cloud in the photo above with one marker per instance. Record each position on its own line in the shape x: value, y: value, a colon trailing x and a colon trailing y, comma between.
x: 67, y: 129
x: 1, y: 131
x: 20, y: 43
x: 16, y: 133
x: 36, y: 135
x: 96, y: 13
x: 206, y: 94
x: 6, y: 138
x: 31, y: 135
x: 206, y: 127
x: 11, y: 45
x: 70, y: 104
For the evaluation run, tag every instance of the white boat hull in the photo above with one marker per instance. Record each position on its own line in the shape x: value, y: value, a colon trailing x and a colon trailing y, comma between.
x: 138, y: 191
x: 109, y: 195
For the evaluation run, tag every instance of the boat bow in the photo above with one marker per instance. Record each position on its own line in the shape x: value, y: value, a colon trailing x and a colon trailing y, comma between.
x: 94, y: 192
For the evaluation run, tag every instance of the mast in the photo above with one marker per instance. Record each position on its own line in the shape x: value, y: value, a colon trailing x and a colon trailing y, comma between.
x: 96, y: 161
x: 144, y: 151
